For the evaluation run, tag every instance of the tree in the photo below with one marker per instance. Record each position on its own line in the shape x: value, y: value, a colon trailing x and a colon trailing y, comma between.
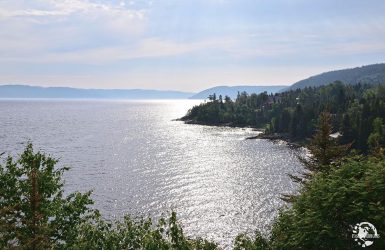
x: 324, y: 153
x: 227, y: 99
x: 244, y: 242
x: 325, y: 212
x: 376, y: 139
x: 324, y: 149
x: 34, y: 214
x: 212, y: 97
x: 138, y: 234
x: 348, y: 135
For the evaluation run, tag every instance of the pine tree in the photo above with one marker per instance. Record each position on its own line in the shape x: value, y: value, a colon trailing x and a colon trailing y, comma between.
x: 376, y: 139
x: 324, y: 150
x: 34, y: 214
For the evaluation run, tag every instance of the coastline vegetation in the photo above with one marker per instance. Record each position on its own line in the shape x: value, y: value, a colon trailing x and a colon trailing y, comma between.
x: 358, y: 113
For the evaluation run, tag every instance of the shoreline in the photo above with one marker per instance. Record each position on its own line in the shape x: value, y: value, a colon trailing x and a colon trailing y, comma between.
x: 230, y: 124
x: 278, y: 137
x: 272, y: 137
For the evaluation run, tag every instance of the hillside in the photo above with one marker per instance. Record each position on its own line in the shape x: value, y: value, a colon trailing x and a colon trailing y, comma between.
x: 232, y: 91
x: 370, y: 74
x: 25, y: 91
x: 293, y: 114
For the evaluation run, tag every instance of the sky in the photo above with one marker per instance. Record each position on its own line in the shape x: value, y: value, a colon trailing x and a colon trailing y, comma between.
x: 185, y: 45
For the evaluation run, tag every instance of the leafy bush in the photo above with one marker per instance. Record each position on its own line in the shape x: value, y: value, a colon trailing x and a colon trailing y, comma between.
x: 34, y: 214
x: 243, y: 241
x: 138, y: 234
x: 330, y: 204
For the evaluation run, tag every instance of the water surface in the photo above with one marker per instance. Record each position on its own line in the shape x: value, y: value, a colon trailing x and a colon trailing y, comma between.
x: 138, y: 161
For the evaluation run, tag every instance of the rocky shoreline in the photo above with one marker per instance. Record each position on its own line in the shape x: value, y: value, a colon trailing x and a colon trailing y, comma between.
x: 229, y: 124
x: 209, y: 124
x: 273, y: 137
x: 278, y: 137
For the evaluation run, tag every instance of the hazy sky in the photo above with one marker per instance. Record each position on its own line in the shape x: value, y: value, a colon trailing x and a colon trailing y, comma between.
x: 185, y: 44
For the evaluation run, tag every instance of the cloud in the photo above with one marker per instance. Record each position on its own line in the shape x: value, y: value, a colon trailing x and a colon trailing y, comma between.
x: 86, y: 31
x: 144, y: 48
x: 34, y: 29
x: 64, y: 8
x: 83, y: 15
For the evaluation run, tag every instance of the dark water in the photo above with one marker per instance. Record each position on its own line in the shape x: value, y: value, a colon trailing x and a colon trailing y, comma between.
x: 137, y: 160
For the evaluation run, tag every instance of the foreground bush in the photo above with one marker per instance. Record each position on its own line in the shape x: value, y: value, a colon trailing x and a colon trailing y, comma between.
x: 258, y: 242
x: 138, y: 234
x: 323, y: 215
x: 34, y: 214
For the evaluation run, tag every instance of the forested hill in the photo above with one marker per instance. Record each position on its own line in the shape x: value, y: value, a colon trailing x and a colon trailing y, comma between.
x: 358, y: 111
x: 232, y: 91
x: 369, y: 74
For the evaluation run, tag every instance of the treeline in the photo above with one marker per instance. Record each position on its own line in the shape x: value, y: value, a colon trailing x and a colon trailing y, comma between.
x: 358, y: 112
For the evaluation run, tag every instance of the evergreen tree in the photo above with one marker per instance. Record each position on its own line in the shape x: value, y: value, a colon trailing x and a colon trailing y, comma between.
x: 34, y: 214
x: 325, y: 212
x: 324, y: 149
x: 376, y: 140
x: 324, y: 152
x: 347, y: 130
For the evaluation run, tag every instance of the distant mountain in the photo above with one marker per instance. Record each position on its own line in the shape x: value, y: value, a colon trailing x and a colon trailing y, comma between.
x: 25, y: 91
x: 372, y: 74
x: 232, y: 91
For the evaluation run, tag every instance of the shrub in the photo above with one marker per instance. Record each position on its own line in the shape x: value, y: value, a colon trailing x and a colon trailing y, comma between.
x: 329, y: 206
x: 33, y: 211
x: 34, y: 214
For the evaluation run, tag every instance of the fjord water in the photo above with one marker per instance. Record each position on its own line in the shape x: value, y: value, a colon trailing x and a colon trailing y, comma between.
x: 139, y: 161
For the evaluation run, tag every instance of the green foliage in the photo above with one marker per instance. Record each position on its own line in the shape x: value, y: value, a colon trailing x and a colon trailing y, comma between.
x: 244, y: 242
x: 376, y: 140
x: 138, y: 234
x: 323, y: 215
x: 324, y: 153
x: 324, y: 149
x: 34, y: 213
x: 294, y: 113
x: 373, y: 74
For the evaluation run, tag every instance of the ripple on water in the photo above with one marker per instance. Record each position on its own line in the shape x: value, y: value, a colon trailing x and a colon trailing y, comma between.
x: 138, y: 161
